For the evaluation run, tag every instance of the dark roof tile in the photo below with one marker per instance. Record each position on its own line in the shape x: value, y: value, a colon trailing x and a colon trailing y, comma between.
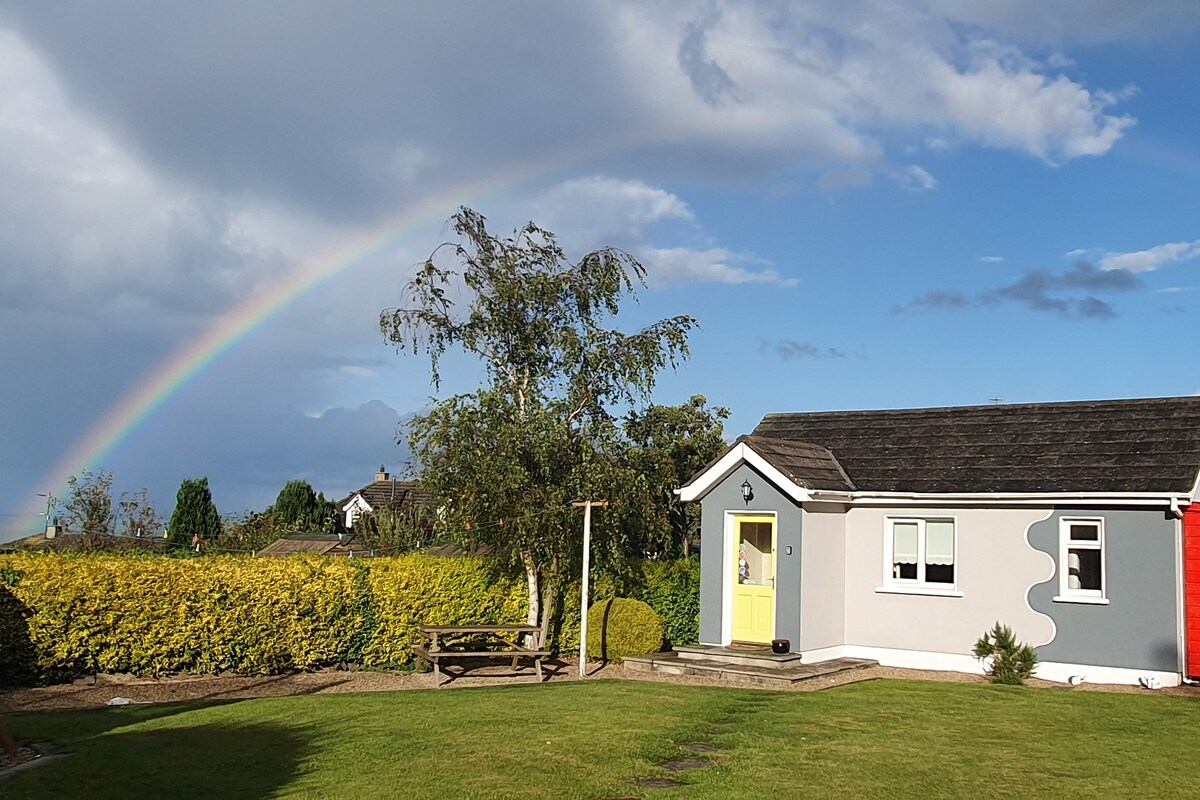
x: 1099, y: 446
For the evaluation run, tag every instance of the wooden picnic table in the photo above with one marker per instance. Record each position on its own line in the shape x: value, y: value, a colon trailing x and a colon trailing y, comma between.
x: 460, y: 642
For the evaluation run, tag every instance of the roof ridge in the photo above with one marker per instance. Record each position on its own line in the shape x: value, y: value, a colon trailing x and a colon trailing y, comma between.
x: 1053, y: 404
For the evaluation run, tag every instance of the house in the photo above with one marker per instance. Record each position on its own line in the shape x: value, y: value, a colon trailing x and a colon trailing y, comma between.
x: 384, y: 492
x: 903, y: 535
x: 320, y: 544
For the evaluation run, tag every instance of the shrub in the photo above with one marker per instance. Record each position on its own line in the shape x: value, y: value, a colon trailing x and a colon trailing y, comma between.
x: 1007, y: 661
x: 622, y: 627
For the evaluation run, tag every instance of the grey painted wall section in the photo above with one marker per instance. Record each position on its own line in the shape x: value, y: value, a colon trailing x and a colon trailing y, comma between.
x: 714, y: 552
x: 994, y: 568
x: 823, y: 578
x: 1138, y: 628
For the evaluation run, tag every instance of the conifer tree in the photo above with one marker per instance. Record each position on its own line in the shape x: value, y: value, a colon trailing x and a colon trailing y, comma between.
x: 296, y: 505
x: 194, y: 513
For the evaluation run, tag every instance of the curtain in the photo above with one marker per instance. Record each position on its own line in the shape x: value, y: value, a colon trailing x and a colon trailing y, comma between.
x: 939, y: 542
x: 904, y: 543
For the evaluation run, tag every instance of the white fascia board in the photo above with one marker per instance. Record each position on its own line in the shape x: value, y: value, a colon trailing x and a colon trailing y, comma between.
x: 1154, y: 500
x: 737, y: 455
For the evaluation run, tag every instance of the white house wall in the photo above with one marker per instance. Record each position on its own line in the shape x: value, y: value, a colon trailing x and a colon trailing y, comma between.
x: 994, y: 569
x: 823, y: 578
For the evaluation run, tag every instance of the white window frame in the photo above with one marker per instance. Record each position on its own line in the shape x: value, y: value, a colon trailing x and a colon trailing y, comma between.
x: 1065, y: 593
x: 893, y: 585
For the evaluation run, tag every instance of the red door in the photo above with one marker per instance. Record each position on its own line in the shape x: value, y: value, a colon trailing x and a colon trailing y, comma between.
x: 1191, y: 588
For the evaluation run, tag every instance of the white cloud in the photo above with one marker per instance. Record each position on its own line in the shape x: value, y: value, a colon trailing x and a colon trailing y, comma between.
x: 914, y: 179
x: 593, y: 208
x: 991, y: 259
x: 831, y: 80
x: 598, y: 211
x: 675, y: 265
x: 1151, y: 259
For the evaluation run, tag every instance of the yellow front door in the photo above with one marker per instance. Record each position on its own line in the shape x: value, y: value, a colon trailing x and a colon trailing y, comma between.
x: 754, y: 579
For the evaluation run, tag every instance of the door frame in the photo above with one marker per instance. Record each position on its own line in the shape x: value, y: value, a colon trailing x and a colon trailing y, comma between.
x: 727, y: 568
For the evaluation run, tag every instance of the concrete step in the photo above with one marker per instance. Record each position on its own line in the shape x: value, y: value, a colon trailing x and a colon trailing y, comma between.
x: 748, y: 658
x: 764, y: 674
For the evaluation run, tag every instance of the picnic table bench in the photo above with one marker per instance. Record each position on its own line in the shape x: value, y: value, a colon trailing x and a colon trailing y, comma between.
x: 462, y: 642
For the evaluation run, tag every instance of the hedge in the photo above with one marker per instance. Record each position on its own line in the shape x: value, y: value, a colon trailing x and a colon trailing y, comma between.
x: 64, y: 615
x: 154, y: 616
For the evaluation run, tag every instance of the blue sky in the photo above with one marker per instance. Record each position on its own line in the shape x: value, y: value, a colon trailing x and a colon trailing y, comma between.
x: 866, y: 204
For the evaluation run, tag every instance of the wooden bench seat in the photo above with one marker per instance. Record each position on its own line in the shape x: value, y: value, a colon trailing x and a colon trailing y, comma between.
x: 435, y: 657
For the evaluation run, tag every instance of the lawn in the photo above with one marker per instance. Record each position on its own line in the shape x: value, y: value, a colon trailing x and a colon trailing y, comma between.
x: 878, y: 739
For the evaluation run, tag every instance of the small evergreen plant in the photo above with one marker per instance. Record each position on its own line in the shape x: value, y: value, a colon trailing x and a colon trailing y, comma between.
x: 1011, y: 663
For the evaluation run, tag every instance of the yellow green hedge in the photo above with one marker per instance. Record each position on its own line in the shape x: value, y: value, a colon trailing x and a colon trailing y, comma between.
x: 63, y: 615
x: 156, y: 615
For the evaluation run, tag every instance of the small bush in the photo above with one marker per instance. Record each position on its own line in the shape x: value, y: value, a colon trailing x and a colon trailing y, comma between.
x: 622, y: 627
x: 1011, y: 663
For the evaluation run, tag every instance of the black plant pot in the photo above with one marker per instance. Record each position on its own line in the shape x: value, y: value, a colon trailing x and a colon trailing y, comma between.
x: 781, y: 646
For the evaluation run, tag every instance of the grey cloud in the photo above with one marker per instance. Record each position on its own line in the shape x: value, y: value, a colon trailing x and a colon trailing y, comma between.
x: 790, y: 350
x: 1040, y: 290
x: 940, y: 299
x: 709, y: 81
x: 306, y: 102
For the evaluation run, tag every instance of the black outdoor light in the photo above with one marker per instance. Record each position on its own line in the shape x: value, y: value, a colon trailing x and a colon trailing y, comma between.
x: 747, y: 492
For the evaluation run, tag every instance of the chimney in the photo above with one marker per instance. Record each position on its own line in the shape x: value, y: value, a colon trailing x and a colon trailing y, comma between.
x: 381, y: 475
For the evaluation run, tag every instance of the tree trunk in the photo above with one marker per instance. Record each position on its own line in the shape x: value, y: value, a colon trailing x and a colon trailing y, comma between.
x: 6, y: 740
x: 531, y: 585
x: 548, y: 604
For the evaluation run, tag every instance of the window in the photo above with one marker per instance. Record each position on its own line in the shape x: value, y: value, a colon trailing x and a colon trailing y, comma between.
x: 1081, y: 560
x: 921, y: 552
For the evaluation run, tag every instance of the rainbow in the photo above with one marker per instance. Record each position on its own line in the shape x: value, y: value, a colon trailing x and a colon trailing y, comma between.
x: 175, y: 372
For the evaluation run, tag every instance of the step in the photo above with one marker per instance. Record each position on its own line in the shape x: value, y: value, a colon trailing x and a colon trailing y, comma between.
x: 780, y: 675
x: 743, y: 657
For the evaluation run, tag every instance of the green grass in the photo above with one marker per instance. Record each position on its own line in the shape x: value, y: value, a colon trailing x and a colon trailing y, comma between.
x: 880, y: 739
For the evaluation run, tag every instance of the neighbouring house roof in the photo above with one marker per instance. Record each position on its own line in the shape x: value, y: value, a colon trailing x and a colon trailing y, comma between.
x: 316, y: 543
x: 391, y: 494
x: 395, y: 494
x: 1111, y: 446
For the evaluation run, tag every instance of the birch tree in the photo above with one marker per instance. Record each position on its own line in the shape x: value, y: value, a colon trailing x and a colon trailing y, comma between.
x: 506, y: 459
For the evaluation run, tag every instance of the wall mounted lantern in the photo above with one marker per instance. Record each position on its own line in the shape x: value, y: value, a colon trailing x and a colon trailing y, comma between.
x: 747, y: 492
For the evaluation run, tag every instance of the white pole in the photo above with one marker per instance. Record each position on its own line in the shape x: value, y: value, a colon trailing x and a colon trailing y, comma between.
x: 583, y: 593
x: 583, y: 597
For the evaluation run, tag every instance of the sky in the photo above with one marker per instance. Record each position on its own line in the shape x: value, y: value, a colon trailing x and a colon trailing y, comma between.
x: 866, y: 204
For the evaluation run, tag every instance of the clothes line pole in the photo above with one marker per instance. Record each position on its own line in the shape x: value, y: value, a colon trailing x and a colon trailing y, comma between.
x: 586, y: 505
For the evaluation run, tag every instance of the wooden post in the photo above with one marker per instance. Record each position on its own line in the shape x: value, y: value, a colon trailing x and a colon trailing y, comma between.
x: 586, y: 505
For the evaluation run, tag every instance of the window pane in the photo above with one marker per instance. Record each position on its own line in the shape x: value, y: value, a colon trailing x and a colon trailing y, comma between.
x: 939, y: 542
x: 754, y: 553
x: 1083, y: 569
x: 939, y: 573
x: 1089, y: 532
x: 904, y: 543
